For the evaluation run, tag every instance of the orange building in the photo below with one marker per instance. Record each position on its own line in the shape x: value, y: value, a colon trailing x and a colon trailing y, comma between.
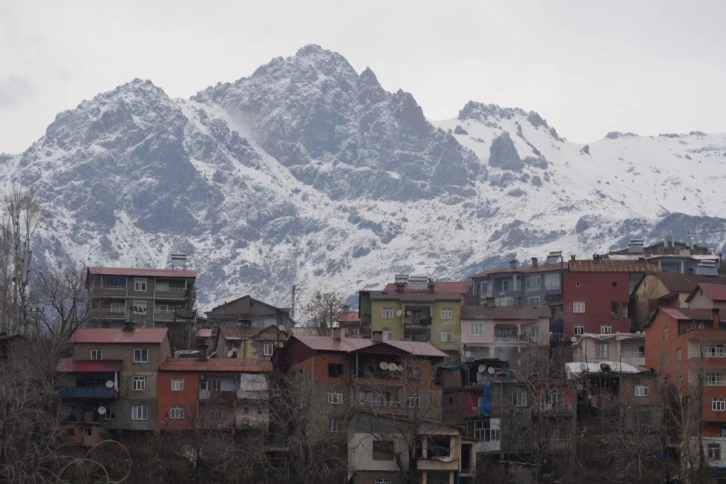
x: 200, y: 393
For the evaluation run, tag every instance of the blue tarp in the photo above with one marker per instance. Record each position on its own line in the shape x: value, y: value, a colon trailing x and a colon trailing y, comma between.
x: 486, y: 399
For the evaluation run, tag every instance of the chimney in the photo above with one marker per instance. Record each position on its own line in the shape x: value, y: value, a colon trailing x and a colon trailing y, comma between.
x: 716, y: 318
x: 534, y: 262
x: 336, y: 333
x: 129, y: 326
x: 432, y: 285
x: 596, y: 258
x: 346, y: 309
x: 377, y: 336
x: 202, y: 352
x: 513, y: 264
x: 573, y: 257
x: 491, y: 302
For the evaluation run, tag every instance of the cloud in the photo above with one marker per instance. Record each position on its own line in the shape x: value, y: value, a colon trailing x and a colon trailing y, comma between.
x: 15, y: 90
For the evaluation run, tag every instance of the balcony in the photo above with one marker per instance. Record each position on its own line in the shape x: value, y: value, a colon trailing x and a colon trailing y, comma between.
x: 163, y: 315
x: 87, y: 392
x: 108, y: 313
x: 216, y: 395
x: 114, y: 292
x: 562, y: 408
x: 173, y: 293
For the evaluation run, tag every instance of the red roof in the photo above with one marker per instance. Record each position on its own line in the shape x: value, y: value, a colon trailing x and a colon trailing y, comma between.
x: 350, y: 345
x: 610, y: 265
x: 118, y: 335
x: 137, y: 271
x: 237, y: 365
x: 687, y: 314
x: 69, y: 365
x: 461, y: 287
x: 521, y: 269
x: 347, y: 316
x: 715, y: 292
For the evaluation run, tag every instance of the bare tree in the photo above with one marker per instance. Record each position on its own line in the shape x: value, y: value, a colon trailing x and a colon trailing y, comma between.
x: 321, y: 310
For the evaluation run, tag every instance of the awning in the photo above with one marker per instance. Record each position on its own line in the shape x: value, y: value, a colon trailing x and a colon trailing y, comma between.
x: 69, y: 365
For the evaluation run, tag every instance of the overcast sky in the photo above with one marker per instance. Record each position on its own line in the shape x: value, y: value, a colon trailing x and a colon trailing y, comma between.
x: 586, y: 67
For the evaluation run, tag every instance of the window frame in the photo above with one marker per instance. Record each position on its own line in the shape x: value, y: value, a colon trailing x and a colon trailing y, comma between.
x: 534, y: 301
x: 519, y: 398
x: 714, y: 379
x: 413, y: 401
x: 606, y: 329
x: 335, y: 397
x: 138, y: 383
x: 579, y: 307
x: 447, y: 314
x: 142, y: 409
x: 479, y: 331
x: 339, y: 370
x: 386, y: 313
x: 579, y: 329
x: 387, y: 334
x: 642, y: 390
x: 449, y: 336
x: 177, y: 384
x: 138, y: 281
x: 266, y: 346
x: 139, y: 360
x: 601, y: 355
x: 176, y: 412
x: 390, y: 448
x: 718, y: 404
x: 716, y: 448
x: 354, y: 332
x: 531, y: 287
x: 333, y: 425
x: 100, y: 354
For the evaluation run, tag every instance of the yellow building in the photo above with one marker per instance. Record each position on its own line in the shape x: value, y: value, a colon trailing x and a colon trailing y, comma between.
x: 417, y: 310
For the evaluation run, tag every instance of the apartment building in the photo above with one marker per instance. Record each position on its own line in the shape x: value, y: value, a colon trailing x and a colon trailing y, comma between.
x: 416, y: 309
x: 110, y: 382
x: 671, y: 256
x: 688, y: 345
x: 145, y: 297
x: 245, y: 342
x: 198, y: 393
x: 596, y: 295
x: 250, y: 312
x: 503, y: 332
x: 625, y: 348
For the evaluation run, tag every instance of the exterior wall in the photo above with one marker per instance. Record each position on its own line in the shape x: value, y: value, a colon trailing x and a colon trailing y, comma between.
x: 598, y: 290
x: 701, y: 301
x: 650, y: 288
x: 188, y: 398
x: 260, y: 313
x: 518, y: 284
x: 254, y: 347
x: 625, y: 351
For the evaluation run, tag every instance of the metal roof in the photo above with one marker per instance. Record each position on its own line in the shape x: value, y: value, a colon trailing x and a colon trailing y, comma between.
x: 119, y: 336
x: 138, y: 271
x: 607, y: 337
x: 715, y: 292
x: 687, y: 282
x: 505, y: 312
x: 350, y: 345
x: 69, y: 365
x: 237, y: 365
x: 609, y: 265
x: 522, y: 269
x: 204, y: 333
x: 461, y: 287
x: 687, y: 314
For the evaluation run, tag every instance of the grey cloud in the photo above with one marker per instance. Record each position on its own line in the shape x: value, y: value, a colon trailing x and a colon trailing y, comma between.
x: 15, y: 90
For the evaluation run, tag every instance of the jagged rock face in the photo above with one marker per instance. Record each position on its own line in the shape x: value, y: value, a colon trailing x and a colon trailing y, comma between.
x: 309, y: 173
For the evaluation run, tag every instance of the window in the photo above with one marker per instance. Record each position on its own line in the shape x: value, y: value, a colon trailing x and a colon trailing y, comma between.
x: 114, y: 282
x: 117, y: 308
x: 534, y: 301
x: 177, y: 384
x: 387, y: 334
x: 487, y: 431
x: 88, y: 431
x: 714, y: 350
x: 139, y: 412
x: 718, y: 404
x: 602, y: 350
x: 504, y: 301
x: 141, y: 355
x: 506, y: 285
x: 140, y: 284
x: 268, y: 349
x: 96, y: 354
x: 333, y: 425
x: 139, y: 307
x: 139, y: 383
x: 176, y: 412
x: 216, y: 414
x: 335, y: 398
x: 382, y: 481
x: 519, y: 398
x: 714, y: 378
x: 552, y: 281
x: 484, y: 291
x: 579, y: 329
x: 335, y: 370
x: 354, y: 333
x: 382, y: 450
x: 714, y: 451
x: 387, y: 313
x: 533, y: 283
x: 447, y: 314
x: 578, y: 307
x: 533, y: 332
x: 477, y: 329
x: 110, y: 413
x: 678, y: 354
x: 556, y: 400
x: 447, y: 337
x: 665, y: 333
x: 413, y: 401
x: 606, y: 329
x: 641, y: 390
x: 162, y: 286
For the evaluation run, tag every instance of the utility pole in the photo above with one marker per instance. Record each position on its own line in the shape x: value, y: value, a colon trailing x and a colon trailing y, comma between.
x: 292, y: 306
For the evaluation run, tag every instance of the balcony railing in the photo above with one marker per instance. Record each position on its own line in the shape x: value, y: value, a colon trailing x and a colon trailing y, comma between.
x: 172, y: 293
x: 164, y: 315
x: 109, y: 313
x: 632, y: 354
x: 101, y: 291
x: 380, y: 403
x: 87, y: 392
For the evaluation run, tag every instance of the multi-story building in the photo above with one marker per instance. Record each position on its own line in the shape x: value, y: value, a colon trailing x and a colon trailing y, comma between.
x: 161, y: 298
x: 251, y: 312
x: 197, y: 393
x: 245, y: 342
x: 625, y: 348
x: 671, y: 256
x: 416, y: 309
x: 596, y: 295
x: 708, y: 296
x: 110, y: 382
x: 503, y: 332
x: 688, y: 346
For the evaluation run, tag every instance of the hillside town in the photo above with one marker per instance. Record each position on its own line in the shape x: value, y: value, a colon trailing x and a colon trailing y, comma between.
x: 527, y: 373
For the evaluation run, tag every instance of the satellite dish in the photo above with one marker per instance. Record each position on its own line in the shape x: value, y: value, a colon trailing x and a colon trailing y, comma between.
x: 230, y: 353
x: 102, y: 410
x: 574, y: 339
x: 399, y: 368
x: 408, y: 313
x: 109, y: 384
x: 583, y: 366
x: 482, y: 368
x: 492, y: 370
x: 468, y: 354
x: 281, y: 328
x: 399, y: 312
x: 383, y: 365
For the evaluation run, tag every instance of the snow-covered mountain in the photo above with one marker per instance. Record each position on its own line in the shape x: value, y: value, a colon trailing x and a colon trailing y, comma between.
x: 310, y: 173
